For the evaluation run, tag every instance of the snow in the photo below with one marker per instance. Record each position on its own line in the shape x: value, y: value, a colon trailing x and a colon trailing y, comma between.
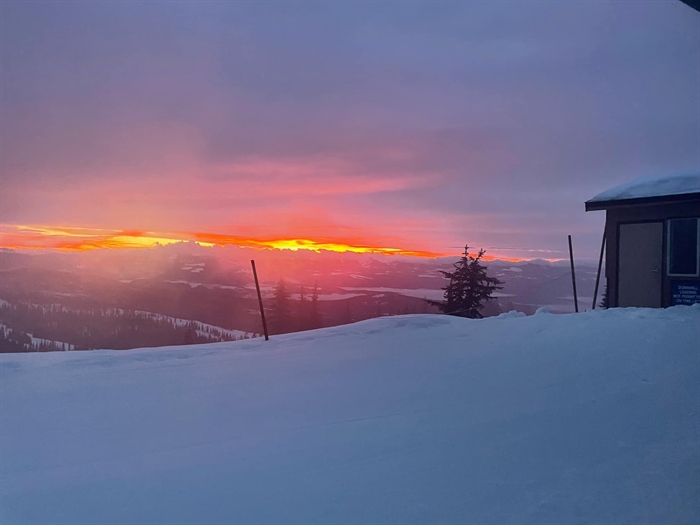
x: 421, y: 293
x: 194, y: 268
x: 652, y: 187
x: 513, y: 314
x: 208, y: 286
x: 192, y: 285
x: 200, y: 328
x: 326, y: 296
x: 582, y: 418
x: 561, y: 308
x: 582, y: 299
x: 39, y: 340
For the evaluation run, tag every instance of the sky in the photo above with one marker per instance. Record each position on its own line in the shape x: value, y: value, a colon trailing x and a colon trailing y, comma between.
x: 409, y: 126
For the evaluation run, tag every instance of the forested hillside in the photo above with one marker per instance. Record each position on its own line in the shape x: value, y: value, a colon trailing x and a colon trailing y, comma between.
x: 27, y: 327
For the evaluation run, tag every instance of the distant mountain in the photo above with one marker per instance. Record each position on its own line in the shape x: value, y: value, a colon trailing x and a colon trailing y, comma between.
x: 28, y: 327
x: 215, y: 286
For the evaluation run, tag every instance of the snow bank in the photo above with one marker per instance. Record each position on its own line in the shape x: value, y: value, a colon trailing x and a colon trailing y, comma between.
x: 652, y: 187
x: 585, y: 418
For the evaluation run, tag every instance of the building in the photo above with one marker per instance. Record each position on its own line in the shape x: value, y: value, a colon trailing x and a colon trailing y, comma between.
x: 652, y: 241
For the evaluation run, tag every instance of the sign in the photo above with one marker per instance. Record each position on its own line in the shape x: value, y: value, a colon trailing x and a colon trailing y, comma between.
x: 685, y: 292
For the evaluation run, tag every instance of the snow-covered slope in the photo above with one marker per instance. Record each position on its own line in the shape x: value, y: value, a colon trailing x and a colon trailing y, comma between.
x: 588, y: 418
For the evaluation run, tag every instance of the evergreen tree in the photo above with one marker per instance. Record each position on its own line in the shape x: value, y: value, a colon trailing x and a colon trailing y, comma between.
x: 604, y: 301
x: 347, y: 314
x: 314, y: 314
x: 280, y: 316
x: 303, y: 320
x: 469, y: 287
x: 190, y: 336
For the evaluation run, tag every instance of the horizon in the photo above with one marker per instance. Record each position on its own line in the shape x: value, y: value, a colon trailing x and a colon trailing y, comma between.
x: 196, y: 248
x: 80, y: 240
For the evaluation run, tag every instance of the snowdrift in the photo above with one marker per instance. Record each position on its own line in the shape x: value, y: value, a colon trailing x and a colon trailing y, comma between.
x: 582, y: 418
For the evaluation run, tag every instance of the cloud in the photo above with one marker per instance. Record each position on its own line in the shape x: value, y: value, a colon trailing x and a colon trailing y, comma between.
x: 86, y: 239
x: 433, y: 122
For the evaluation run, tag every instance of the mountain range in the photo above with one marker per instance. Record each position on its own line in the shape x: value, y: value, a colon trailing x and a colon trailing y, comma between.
x: 215, y: 285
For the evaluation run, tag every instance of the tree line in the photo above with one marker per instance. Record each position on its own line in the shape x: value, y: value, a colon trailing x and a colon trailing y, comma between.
x: 287, y: 316
x: 61, y: 328
x: 468, y: 293
x: 18, y: 341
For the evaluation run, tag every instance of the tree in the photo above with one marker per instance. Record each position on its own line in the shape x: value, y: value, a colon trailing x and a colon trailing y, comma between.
x: 314, y: 314
x: 190, y: 336
x: 469, y: 287
x: 346, y: 317
x: 604, y: 301
x: 279, y: 315
x: 302, y: 298
x: 303, y: 321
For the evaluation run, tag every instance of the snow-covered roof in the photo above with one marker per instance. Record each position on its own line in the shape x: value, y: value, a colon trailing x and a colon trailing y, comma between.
x: 650, y: 187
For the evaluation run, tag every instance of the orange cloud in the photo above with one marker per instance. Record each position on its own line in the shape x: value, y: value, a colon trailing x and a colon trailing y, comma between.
x: 83, y: 239
x: 71, y: 238
x: 78, y: 239
x: 337, y: 245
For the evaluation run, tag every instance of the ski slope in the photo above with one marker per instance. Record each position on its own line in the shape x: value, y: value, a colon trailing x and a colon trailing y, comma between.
x: 562, y: 419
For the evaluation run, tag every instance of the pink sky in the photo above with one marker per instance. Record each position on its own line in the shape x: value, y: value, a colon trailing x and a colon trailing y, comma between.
x: 412, y: 126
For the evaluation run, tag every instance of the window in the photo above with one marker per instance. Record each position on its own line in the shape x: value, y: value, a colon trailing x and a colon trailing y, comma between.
x: 683, y: 247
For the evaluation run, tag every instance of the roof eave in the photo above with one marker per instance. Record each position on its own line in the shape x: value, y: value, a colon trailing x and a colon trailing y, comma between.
x: 641, y: 201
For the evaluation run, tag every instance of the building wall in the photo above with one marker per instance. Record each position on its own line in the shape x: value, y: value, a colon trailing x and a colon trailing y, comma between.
x: 643, y: 213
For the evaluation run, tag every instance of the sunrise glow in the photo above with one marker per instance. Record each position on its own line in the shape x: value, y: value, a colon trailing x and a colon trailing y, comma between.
x: 83, y: 239
x: 79, y: 239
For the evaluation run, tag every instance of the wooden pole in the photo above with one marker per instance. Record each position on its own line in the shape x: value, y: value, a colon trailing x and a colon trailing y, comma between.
x: 600, y: 265
x: 573, y: 273
x: 262, y: 310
